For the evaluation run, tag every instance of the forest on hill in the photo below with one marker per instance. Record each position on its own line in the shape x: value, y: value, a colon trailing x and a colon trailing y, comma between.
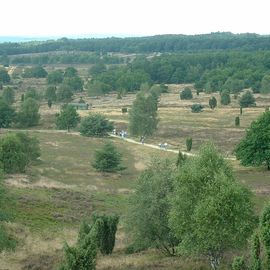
x: 159, y: 43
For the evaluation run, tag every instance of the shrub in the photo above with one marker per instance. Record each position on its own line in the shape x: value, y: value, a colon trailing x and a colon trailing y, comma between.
x: 196, y: 107
x: 237, y: 121
x: 108, y: 159
x: 95, y: 125
x: 106, y: 230
x: 189, y: 144
x: 124, y: 110
x: 239, y: 264
x: 247, y: 100
x: 212, y: 103
x: 225, y: 98
x: 186, y: 93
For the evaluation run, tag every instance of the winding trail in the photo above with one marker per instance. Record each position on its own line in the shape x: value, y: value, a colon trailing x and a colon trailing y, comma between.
x: 113, y: 136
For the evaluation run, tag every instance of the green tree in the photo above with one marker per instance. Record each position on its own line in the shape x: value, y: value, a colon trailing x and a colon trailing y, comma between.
x: 151, y: 200
x: 83, y: 255
x: 71, y: 72
x: 225, y: 98
x: 143, y: 115
x: 265, y: 84
x: 55, y: 77
x: 265, y: 234
x: 212, y: 103
x: 75, y: 83
x: 108, y: 159
x: 12, y: 154
x: 247, y: 100
x: 106, y: 230
x: 237, y: 121
x: 97, y: 69
x: 256, y: 252
x: 31, y: 147
x: 4, y: 77
x: 97, y: 88
x: 254, y: 148
x: 50, y: 93
x: 189, y: 144
x: 7, y: 114
x: 68, y: 118
x: 64, y: 93
x: 196, y: 108
x: 31, y: 93
x: 210, y: 212
x: 8, y: 95
x: 180, y: 159
x: 186, y: 93
x: 35, y: 72
x: 95, y: 125
x: 28, y: 115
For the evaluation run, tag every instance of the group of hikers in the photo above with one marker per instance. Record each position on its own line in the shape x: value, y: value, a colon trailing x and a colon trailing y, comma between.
x: 123, y: 134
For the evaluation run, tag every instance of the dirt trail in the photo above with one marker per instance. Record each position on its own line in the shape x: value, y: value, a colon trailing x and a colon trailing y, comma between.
x: 114, y: 136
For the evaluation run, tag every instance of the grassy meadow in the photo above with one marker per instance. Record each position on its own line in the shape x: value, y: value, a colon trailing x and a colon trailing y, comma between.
x: 54, y: 195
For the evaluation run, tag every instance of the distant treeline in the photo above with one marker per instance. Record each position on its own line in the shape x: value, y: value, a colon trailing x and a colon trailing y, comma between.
x: 60, y: 58
x: 210, y: 71
x: 161, y: 43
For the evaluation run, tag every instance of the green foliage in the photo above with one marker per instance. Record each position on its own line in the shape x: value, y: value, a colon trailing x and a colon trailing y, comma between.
x: 265, y: 234
x: 108, y: 159
x: 75, y: 83
x: 95, y: 125
x: 28, y: 115
x: 7, y: 114
x: 225, y: 98
x: 212, y: 103
x: 239, y: 264
x: 18, y: 151
x: 35, y: 72
x: 8, y: 95
x: 50, y: 93
x: 180, y: 159
x: 12, y: 155
x: 64, y: 93
x: 233, y: 85
x: 68, y: 118
x: 4, y: 77
x: 31, y: 93
x: 151, y: 200
x: 97, y: 69
x: 124, y: 110
x: 55, y: 77
x: 256, y: 252
x: 189, y: 144
x: 254, y: 148
x: 6, y: 242
x: 97, y: 88
x: 106, y: 230
x: 186, y: 93
x: 70, y: 72
x: 265, y: 84
x: 247, y: 100
x: 143, y: 114
x: 83, y: 255
x: 31, y: 147
x: 237, y: 121
x: 196, y: 107
x: 241, y: 110
x: 210, y: 212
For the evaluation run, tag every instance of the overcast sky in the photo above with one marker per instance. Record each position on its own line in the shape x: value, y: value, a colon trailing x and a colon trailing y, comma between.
x: 132, y: 17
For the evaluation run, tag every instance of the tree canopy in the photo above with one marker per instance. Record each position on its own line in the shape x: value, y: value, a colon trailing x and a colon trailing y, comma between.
x: 211, y: 212
x: 254, y: 148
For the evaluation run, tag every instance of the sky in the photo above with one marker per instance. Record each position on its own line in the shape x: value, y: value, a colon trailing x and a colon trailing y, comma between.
x: 132, y: 17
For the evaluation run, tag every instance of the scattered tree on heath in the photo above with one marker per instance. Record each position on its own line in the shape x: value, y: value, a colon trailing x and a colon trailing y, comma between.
x: 8, y: 95
x: 95, y: 125
x: 151, y: 200
x: 7, y: 114
x: 254, y: 148
x: 108, y: 159
x: 210, y: 212
x: 247, y: 100
x: 28, y: 114
x: 143, y: 114
x: 68, y: 118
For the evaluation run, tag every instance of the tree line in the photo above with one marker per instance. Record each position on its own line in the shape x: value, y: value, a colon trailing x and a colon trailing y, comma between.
x: 159, y: 43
